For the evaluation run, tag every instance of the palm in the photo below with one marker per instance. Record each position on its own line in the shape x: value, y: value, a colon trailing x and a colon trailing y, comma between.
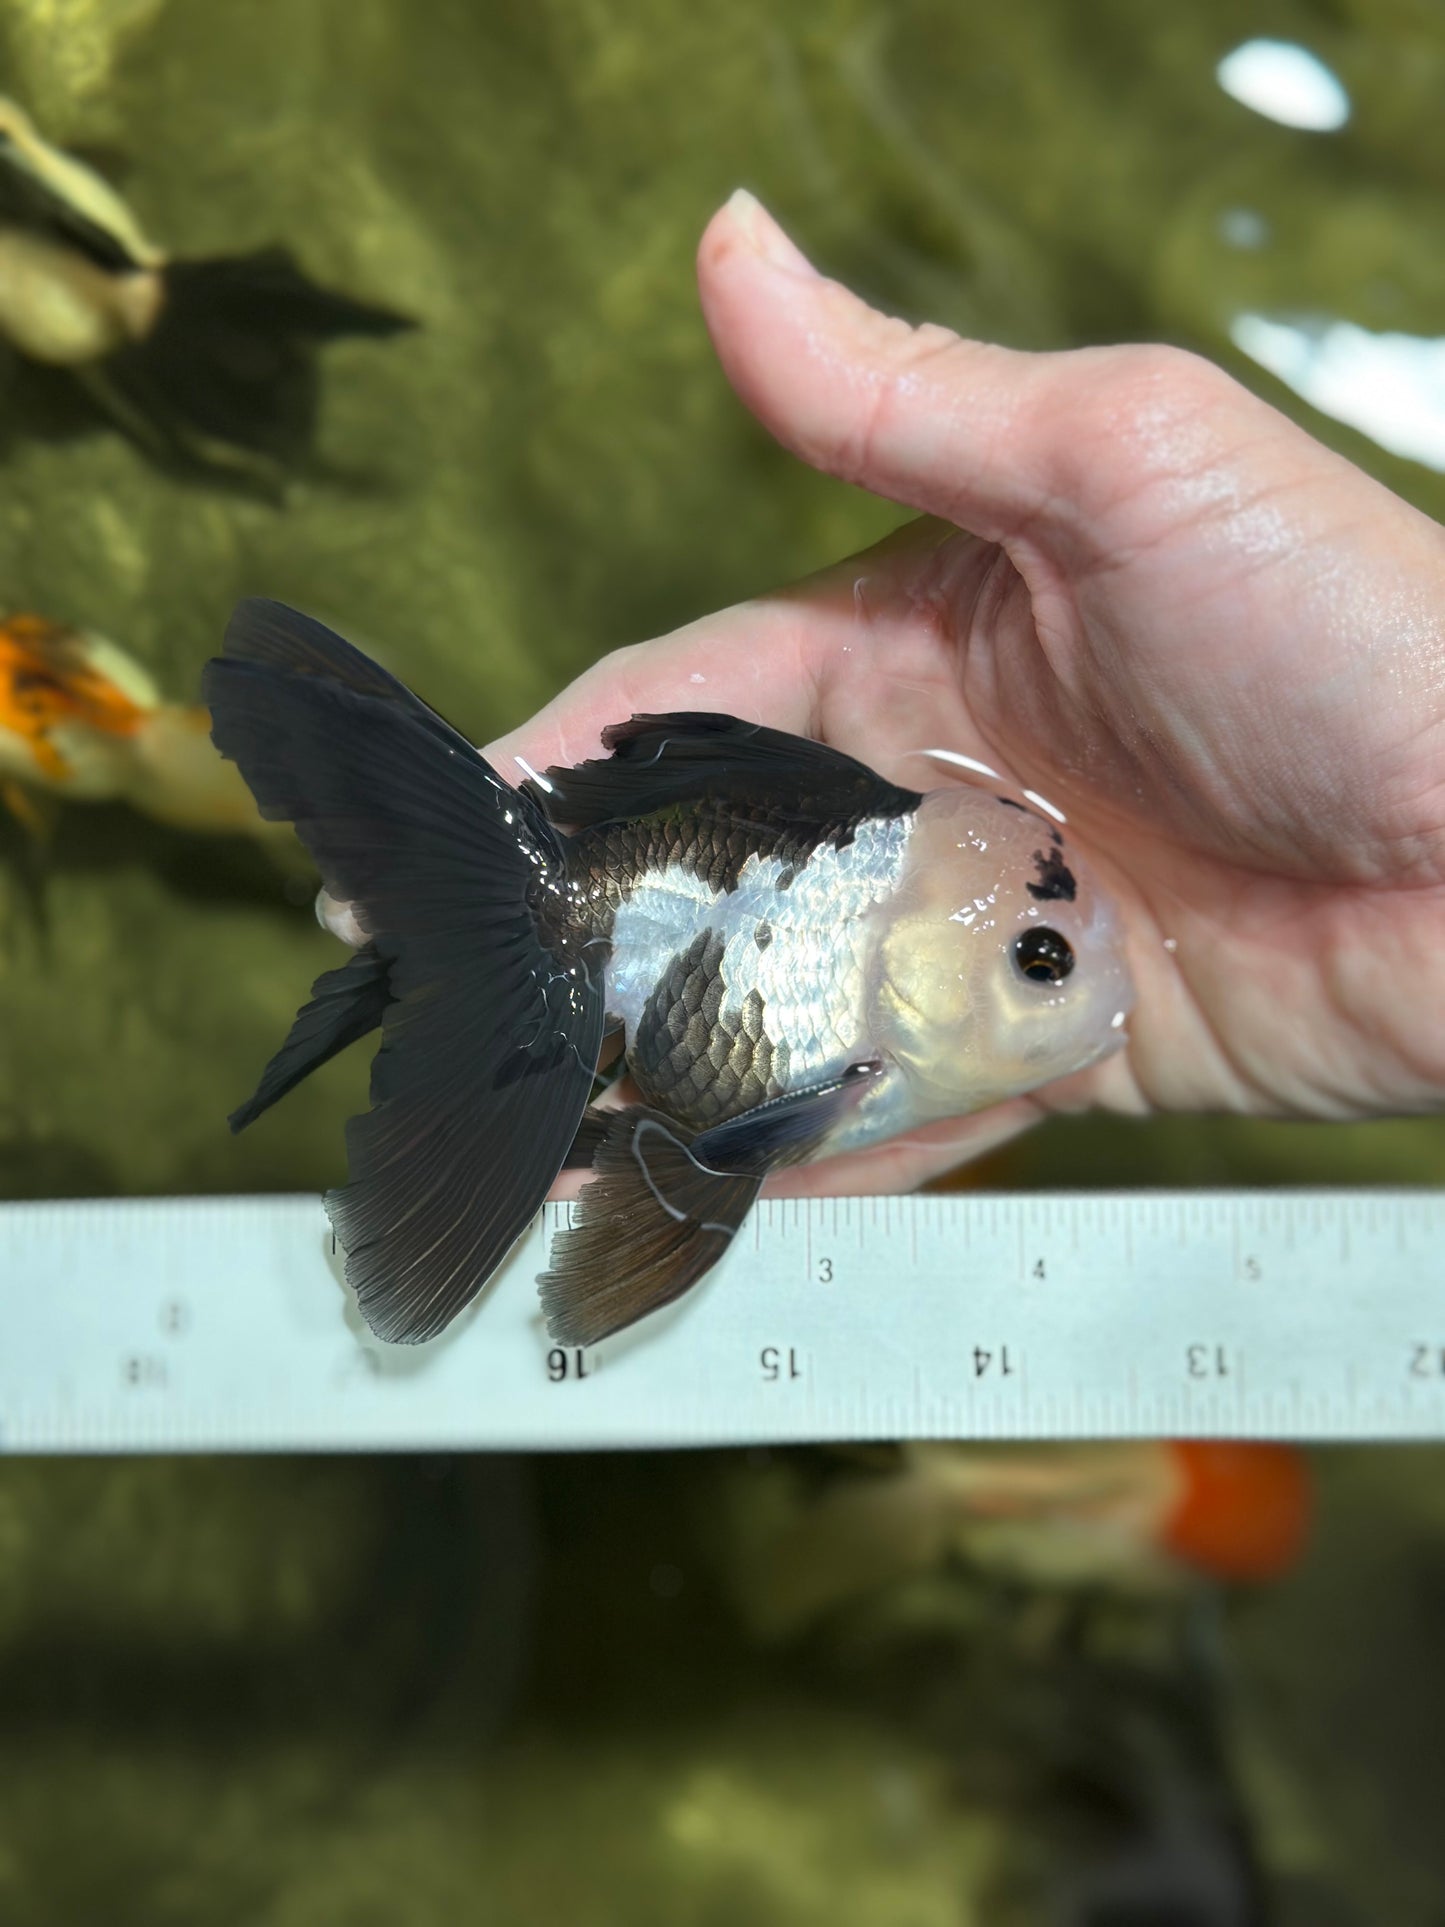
x: 1218, y: 648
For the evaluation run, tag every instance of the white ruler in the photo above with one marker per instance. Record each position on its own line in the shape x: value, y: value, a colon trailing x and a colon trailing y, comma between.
x: 222, y: 1325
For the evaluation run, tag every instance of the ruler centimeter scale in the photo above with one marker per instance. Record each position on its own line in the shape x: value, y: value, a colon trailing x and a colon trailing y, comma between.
x: 222, y: 1324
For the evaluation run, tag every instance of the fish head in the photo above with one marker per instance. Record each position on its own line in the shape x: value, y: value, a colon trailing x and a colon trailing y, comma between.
x: 1000, y: 964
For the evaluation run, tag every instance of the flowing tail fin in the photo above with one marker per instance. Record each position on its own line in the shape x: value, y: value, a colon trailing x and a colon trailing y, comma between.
x: 228, y: 372
x: 491, y: 1034
x: 346, y: 1004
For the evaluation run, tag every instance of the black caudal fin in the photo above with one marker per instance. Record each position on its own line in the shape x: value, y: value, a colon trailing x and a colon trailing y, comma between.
x: 345, y: 1004
x: 664, y: 1205
x: 267, y: 291
x: 229, y: 368
x: 492, y: 1029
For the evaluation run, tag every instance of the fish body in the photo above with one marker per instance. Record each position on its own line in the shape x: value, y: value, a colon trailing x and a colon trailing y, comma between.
x: 750, y: 954
x: 1131, y: 1514
x: 801, y: 958
x: 210, y: 361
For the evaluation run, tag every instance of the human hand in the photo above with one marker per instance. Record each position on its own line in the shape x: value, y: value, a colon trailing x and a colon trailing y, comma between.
x: 1217, y: 646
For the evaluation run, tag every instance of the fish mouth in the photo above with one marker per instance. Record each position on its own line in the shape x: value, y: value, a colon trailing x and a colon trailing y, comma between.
x: 1115, y: 1039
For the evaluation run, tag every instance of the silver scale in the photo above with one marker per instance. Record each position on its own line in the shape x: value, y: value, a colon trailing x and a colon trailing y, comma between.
x: 223, y: 1324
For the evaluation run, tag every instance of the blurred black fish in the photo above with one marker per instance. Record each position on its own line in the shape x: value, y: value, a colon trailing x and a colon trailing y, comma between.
x: 208, y: 361
x: 803, y: 958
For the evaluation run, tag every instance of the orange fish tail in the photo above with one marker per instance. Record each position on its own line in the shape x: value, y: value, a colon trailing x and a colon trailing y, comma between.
x: 1243, y: 1510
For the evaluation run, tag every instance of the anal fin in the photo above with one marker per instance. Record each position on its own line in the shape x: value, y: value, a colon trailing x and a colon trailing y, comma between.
x: 664, y: 1205
x: 653, y: 1220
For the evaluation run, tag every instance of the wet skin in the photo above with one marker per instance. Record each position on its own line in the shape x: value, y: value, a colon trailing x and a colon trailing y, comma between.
x: 1141, y: 591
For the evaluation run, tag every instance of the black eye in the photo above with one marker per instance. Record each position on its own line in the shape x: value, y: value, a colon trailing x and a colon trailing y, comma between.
x: 1044, y: 956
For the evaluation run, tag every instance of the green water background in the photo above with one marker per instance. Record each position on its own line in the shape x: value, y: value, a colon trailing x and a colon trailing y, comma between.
x: 271, y: 1692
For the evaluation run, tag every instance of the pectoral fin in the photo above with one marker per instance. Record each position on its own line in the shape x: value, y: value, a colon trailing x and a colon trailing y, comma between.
x: 786, y: 1129
x: 664, y: 1205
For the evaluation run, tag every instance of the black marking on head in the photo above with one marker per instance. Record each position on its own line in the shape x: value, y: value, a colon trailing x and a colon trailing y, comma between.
x: 1056, y: 879
x: 763, y: 935
x: 1012, y: 803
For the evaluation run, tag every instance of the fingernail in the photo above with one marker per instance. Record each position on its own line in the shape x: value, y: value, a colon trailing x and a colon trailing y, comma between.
x: 767, y: 238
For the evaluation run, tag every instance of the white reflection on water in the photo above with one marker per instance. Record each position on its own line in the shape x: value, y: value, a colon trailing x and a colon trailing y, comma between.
x: 1391, y: 387
x: 1284, y: 82
x: 1242, y: 227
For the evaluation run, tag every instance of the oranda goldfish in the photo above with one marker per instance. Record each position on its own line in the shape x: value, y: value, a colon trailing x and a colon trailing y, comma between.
x: 211, y: 360
x: 81, y: 720
x: 1139, y: 1517
x: 801, y: 957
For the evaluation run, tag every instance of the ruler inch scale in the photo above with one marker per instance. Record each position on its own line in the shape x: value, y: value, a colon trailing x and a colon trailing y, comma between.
x: 223, y: 1324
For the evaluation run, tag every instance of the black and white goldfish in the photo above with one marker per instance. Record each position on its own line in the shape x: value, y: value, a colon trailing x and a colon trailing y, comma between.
x: 208, y: 360
x: 802, y: 959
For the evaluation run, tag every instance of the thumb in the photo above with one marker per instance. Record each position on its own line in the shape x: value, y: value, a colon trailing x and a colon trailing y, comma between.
x: 960, y: 429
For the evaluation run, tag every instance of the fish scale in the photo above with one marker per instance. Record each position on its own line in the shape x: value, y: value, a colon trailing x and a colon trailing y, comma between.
x: 729, y: 1018
x: 711, y: 842
x: 693, y: 1058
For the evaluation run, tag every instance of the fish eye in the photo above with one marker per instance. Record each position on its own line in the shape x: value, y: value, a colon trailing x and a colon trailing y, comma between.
x: 1043, y: 955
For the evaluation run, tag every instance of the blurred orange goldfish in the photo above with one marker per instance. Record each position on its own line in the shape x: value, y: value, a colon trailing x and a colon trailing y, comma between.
x: 1133, y: 1516
x: 80, y: 719
x: 1129, y: 1509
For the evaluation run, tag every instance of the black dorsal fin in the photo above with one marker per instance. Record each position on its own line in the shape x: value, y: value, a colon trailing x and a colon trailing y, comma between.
x: 659, y: 761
